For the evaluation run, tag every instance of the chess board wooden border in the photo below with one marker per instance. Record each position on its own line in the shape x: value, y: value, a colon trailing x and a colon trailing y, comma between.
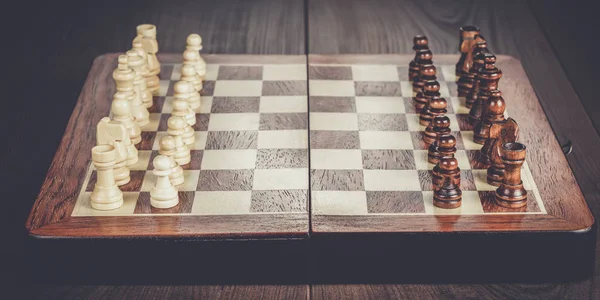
x: 566, y: 208
x: 51, y: 213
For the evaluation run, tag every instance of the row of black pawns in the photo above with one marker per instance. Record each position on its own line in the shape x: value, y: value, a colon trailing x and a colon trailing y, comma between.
x: 477, y: 81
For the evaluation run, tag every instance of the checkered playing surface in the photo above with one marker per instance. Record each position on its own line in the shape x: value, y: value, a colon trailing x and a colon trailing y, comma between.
x: 366, y: 152
x: 251, y: 149
x: 251, y: 153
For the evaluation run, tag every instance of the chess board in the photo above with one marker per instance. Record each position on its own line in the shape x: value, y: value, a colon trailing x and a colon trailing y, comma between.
x: 368, y: 159
x: 248, y: 174
x: 317, y: 159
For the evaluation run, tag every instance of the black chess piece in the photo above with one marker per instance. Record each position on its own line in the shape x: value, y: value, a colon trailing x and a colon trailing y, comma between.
x: 511, y: 192
x: 467, y: 80
x: 472, y: 94
x: 420, y: 42
x: 442, y: 123
x: 448, y: 194
x: 493, y: 113
x: 489, y: 77
x: 469, y: 35
x: 426, y: 75
x: 446, y: 148
x: 436, y: 105
x: 500, y: 134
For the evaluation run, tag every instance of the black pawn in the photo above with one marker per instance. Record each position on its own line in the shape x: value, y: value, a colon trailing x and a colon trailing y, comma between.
x: 446, y: 147
x: 448, y: 195
x: 427, y: 74
x: 420, y: 42
x: 436, y: 107
x: 419, y: 80
x: 440, y: 125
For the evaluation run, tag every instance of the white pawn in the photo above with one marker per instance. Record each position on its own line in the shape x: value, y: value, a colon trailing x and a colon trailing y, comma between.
x: 149, y: 78
x: 114, y: 134
x: 194, y: 42
x: 139, y: 65
x: 106, y: 194
x: 189, y: 74
x: 191, y: 58
x: 163, y: 194
x: 167, y: 148
x: 181, y: 109
x: 124, y: 76
x: 175, y: 129
x: 146, y: 34
x: 121, y: 111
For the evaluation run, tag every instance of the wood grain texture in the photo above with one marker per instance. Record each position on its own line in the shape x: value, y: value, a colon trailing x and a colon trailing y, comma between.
x: 40, y: 291
x: 73, y: 156
x: 559, y: 191
x: 73, y: 42
x: 510, y: 28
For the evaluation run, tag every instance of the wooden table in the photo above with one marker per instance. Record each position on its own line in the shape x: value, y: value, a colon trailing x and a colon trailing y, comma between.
x: 61, y: 55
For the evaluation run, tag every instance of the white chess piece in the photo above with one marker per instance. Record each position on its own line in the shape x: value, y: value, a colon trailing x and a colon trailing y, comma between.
x: 175, y: 129
x: 167, y: 148
x: 191, y: 58
x: 106, y: 194
x: 181, y: 109
x: 124, y: 77
x: 146, y: 34
x: 115, y: 135
x: 149, y: 78
x: 163, y: 194
x: 189, y: 74
x: 194, y: 42
x: 139, y: 65
x: 121, y: 111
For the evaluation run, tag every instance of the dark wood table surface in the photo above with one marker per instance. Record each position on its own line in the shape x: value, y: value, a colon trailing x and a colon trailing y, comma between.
x: 52, y: 47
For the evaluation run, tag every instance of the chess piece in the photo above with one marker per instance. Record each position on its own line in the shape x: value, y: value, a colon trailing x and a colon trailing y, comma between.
x: 115, y: 134
x: 426, y: 74
x: 194, y: 42
x: 176, y: 126
x: 448, y: 194
x: 146, y: 34
x: 167, y: 148
x: 422, y: 57
x: 191, y: 58
x: 163, y: 194
x: 489, y: 77
x: 149, y: 78
x: 124, y: 77
x: 446, y: 148
x: 467, y: 80
x: 121, y: 111
x: 511, y: 193
x: 181, y: 108
x: 467, y: 39
x: 140, y: 67
x: 414, y: 67
x: 436, y: 106
x: 471, y: 96
x: 440, y: 125
x: 494, y: 113
x: 500, y: 134
x: 106, y: 194
x: 189, y: 74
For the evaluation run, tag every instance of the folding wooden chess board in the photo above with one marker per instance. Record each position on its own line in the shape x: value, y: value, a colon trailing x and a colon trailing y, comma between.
x: 326, y: 151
